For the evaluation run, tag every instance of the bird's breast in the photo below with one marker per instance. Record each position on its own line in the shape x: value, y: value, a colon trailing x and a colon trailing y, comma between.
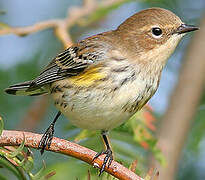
x: 108, y: 103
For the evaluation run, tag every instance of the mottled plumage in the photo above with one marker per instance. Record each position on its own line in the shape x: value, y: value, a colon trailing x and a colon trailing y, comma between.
x: 101, y: 81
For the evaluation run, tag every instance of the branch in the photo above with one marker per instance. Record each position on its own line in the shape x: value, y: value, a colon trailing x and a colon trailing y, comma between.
x: 15, y: 138
x: 61, y: 29
x: 61, y: 26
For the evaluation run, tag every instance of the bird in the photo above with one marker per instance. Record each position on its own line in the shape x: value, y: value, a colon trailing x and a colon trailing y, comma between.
x: 101, y: 81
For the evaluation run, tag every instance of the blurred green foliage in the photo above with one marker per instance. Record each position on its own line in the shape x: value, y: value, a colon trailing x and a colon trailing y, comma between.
x: 131, y: 141
x: 19, y: 161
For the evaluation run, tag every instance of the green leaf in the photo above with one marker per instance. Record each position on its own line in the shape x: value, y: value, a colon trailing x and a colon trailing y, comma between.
x: 18, y: 150
x: 28, y: 164
x: 2, y: 12
x: 85, y: 134
x: 4, y: 26
x: 3, y: 177
x: 15, y: 170
x: 39, y: 174
x: 1, y: 125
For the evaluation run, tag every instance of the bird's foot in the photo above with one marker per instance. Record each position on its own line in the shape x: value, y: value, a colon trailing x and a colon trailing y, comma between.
x: 107, y: 160
x: 48, y: 135
x: 46, y: 138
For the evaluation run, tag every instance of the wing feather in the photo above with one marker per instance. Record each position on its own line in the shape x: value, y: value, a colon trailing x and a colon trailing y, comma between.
x: 70, y: 62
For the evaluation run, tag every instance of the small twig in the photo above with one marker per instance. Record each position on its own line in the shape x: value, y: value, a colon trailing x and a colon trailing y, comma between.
x: 61, y: 26
x: 15, y: 138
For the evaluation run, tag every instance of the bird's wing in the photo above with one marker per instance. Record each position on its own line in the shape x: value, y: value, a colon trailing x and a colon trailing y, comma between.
x: 70, y: 62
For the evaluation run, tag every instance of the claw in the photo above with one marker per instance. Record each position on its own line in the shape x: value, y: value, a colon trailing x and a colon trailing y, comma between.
x: 107, y: 160
x: 48, y: 135
x: 46, y: 139
x: 109, y: 157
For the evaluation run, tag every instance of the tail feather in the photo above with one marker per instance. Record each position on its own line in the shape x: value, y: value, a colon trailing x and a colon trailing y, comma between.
x: 25, y: 89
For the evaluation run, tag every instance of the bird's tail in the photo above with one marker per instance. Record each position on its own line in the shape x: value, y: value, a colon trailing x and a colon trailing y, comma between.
x: 25, y: 89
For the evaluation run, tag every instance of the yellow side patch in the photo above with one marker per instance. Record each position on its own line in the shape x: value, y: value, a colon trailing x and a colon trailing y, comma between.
x: 87, y: 78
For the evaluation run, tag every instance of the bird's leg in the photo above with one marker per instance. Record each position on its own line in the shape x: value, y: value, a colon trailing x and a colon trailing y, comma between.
x: 48, y: 135
x: 109, y: 157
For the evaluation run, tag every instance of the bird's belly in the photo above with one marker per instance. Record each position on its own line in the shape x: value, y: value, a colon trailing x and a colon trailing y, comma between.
x: 102, y: 109
x: 89, y: 110
x: 96, y: 118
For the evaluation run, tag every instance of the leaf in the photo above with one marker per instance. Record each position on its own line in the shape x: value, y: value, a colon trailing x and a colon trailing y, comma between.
x: 2, y: 12
x: 84, y: 134
x: 4, y: 26
x: 197, y: 132
x: 19, y: 149
x: 3, y: 177
x: 142, y: 126
x: 15, y: 170
x: 39, y: 174
x: 152, y: 175
x: 28, y: 164
x: 1, y: 125
x: 133, y: 166
x: 49, y: 175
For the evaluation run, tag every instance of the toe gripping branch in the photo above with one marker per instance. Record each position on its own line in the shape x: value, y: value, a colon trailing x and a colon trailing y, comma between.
x: 108, y: 152
x: 48, y: 135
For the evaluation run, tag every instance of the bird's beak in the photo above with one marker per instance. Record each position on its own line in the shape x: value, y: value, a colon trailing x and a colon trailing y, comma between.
x: 184, y: 28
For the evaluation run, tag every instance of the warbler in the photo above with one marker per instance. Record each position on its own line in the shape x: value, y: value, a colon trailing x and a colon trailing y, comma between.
x: 101, y: 81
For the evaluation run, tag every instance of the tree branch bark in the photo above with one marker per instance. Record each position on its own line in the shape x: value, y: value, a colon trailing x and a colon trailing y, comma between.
x: 15, y: 138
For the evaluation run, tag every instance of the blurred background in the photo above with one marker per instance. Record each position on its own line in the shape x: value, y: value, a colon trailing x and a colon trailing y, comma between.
x: 23, y: 57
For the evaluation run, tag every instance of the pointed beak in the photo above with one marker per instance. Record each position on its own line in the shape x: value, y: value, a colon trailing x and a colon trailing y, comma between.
x: 184, y: 28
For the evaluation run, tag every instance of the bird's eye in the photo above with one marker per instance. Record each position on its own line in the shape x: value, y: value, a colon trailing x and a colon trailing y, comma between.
x: 156, y: 32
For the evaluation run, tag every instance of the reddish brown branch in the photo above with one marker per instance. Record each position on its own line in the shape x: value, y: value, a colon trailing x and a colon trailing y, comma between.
x: 15, y: 138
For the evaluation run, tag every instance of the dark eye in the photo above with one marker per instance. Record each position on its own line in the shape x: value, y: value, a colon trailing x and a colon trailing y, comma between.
x: 157, y: 32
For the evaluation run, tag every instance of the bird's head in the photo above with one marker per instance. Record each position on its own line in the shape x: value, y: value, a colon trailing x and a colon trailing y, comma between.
x: 152, y: 33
